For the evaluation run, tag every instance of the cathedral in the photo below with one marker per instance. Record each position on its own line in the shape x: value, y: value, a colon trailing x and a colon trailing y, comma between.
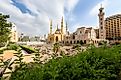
x: 58, y: 35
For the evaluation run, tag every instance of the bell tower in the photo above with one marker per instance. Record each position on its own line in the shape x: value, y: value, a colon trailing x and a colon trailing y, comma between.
x: 102, y: 32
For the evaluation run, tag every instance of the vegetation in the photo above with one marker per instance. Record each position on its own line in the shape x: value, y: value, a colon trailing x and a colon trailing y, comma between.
x: 94, y: 64
x: 4, y: 29
x: 29, y: 50
x: 101, y: 63
x: 1, y: 51
x: 5, y: 65
x: 12, y: 46
x: 37, y: 57
x: 19, y: 59
x: 56, y: 47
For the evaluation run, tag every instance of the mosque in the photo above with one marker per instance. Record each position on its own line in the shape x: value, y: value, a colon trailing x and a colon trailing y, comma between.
x: 58, y: 35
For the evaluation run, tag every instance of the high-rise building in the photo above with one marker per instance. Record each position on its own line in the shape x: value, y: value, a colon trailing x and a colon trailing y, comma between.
x: 113, y: 27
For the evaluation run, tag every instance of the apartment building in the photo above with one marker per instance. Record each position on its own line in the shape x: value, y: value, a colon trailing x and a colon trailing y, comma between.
x: 113, y: 27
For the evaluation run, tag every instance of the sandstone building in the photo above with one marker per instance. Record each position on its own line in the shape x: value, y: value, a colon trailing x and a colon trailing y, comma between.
x: 14, y: 34
x: 82, y: 35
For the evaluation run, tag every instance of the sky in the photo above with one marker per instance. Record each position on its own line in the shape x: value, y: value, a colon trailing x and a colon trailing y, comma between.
x: 32, y: 17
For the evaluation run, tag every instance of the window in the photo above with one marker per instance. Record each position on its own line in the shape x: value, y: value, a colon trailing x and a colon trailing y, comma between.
x: 66, y: 37
x: 100, y: 23
x: 70, y: 42
x: 77, y: 41
x: 73, y: 37
x: 56, y: 38
x: 100, y: 18
x: 101, y: 27
x: 74, y: 42
x: 84, y: 41
x: 67, y: 41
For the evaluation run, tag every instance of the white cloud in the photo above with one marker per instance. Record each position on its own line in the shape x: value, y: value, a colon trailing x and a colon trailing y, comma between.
x: 94, y: 11
x: 111, y: 7
x: 42, y: 12
x: 70, y: 4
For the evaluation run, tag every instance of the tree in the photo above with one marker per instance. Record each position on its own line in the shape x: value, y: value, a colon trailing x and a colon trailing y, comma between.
x: 4, y: 29
x: 56, y: 47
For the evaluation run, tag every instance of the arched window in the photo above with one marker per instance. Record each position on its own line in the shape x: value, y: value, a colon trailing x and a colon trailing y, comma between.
x: 73, y: 37
x: 70, y: 42
x: 77, y: 41
x: 84, y: 41
x: 63, y: 42
x: 74, y: 42
x: 67, y: 41
x: 81, y: 42
x: 56, y: 38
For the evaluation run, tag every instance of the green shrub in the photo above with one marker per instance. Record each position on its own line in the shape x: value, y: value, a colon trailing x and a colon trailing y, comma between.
x: 28, y: 49
x: 93, y: 64
x: 1, y: 51
x: 12, y: 47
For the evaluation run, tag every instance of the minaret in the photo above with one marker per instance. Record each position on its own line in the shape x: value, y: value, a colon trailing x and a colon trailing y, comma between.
x: 50, y: 26
x: 66, y: 27
x: 102, y: 32
x: 57, y: 27
x: 62, y: 26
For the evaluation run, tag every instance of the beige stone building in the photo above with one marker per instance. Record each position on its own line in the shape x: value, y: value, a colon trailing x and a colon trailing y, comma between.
x: 14, y: 34
x: 58, y: 35
x: 82, y: 34
x: 97, y: 33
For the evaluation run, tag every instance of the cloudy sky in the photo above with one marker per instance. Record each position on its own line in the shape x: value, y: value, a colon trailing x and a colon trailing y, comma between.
x: 32, y: 16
